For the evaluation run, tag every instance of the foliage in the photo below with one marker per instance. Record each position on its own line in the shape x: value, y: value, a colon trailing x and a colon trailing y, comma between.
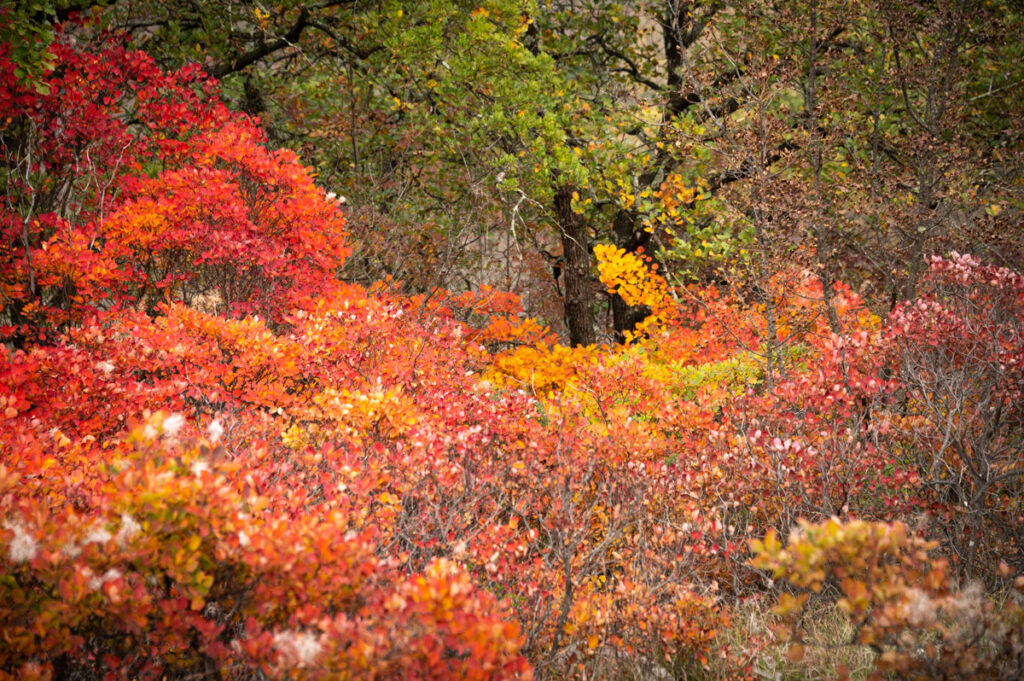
x: 221, y: 458
x: 627, y: 275
x: 903, y: 604
x: 181, y: 204
x: 959, y: 353
x: 163, y: 566
x: 26, y: 35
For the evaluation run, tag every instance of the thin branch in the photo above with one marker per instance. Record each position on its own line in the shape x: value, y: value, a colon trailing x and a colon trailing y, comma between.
x: 261, y: 51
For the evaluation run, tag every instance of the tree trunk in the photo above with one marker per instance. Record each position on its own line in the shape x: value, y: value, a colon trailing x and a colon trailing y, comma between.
x: 579, y: 295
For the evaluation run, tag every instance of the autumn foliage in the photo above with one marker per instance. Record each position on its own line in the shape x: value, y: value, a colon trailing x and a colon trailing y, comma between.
x: 218, y: 459
x: 127, y: 186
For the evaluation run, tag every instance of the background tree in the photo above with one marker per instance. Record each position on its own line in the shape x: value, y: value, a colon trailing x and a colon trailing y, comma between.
x: 496, y: 143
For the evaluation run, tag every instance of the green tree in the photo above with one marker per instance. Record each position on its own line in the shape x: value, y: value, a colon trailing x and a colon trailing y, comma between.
x: 731, y: 139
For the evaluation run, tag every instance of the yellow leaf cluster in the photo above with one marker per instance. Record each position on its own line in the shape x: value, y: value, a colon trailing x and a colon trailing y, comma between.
x: 541, y: 369
x: 628, y: 275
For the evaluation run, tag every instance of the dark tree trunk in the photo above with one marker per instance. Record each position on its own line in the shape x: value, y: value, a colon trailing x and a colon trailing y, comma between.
x: 579, y: 294
x: 253, y: 104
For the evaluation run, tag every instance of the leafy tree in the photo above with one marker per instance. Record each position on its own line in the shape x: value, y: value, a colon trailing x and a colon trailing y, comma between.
x: 507, y: 136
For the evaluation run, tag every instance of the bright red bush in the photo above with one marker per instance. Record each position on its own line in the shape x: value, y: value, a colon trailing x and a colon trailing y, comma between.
x: 129, y: 187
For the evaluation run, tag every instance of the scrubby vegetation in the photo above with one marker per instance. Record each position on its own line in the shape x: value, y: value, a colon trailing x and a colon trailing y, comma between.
x: 228, y: 452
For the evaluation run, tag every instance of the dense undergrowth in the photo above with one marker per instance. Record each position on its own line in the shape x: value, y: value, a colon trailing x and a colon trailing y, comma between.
x: 219, y: 461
